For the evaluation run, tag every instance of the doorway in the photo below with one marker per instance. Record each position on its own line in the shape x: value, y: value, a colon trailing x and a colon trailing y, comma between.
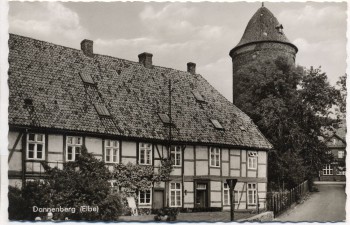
x: 158, y: 199
x: 202, y: 194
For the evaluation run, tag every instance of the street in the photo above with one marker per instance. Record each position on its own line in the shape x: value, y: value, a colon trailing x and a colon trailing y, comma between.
x: 324, y: 206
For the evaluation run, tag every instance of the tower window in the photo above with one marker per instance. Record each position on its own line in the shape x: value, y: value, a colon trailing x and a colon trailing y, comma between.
x: 279, y: 28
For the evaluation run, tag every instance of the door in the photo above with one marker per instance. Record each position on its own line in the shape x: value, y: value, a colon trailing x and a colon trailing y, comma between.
x: 202, y: 195
x: 158, y: 199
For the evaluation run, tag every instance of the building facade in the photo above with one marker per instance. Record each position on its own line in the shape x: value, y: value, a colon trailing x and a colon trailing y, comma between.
x: 62, y: 99
x: 336, y: 143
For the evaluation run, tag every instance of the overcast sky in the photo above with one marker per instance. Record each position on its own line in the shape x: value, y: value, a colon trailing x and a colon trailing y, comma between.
x: 177, y: 33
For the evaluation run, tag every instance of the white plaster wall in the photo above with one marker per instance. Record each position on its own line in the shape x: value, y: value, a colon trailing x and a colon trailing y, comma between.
x: 93, y: 145
x: 12, y: 136
x: 244, y: 156
x: 214, y: 171
x: 201, y: 168
x: 225, y: 169
x: 55, y: 143
x: 261, y: 170
x: 189, y: 168
x: 129, y: 148
x: 225, y: 154
x: 201, y: 152
x: 235, y: 162
x: 15, y: 162
x: 251, y: 173
x: 188, y: 152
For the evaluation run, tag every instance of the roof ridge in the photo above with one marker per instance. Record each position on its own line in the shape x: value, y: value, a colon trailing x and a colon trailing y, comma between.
x: 98, y: 54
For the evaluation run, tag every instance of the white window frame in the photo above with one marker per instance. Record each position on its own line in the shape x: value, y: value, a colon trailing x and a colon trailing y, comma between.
x: 177, y: 192
x: 252, y: 160
x: 341, y: 155
x: 251, y: 191
x: 328, y: 170
x: 150, y: 197
x: 113, y: 147
x: 215, y: 153
x: 176, y: 155
x: 75, y: 145
x: 226, y: 192
x: 147, y: 149
x: 36, y: 142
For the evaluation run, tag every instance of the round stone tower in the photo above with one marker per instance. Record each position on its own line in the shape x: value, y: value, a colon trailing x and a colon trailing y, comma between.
x: 263, y: 39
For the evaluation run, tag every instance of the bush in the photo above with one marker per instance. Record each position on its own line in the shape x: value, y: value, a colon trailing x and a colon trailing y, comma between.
x: 17, y: 205
x: 167, y: 214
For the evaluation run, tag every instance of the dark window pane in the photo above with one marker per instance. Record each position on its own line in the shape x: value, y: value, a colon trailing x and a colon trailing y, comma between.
x: 39, y: 151
x: 31, y: 137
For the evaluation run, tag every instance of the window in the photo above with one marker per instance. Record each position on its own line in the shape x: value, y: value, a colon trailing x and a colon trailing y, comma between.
x: 86, y: 78
x: 198, y: 96
x: 340, y: 154
x: 145, y: 154
x: 214, y: 157
x: 35, y: 146
x: 102, y: 110
x: 217, y: 124
x: 341, y: 170
x: 164, y: 118
x: 114, y: 185
x: 328, y: 170
x: 145, y: 197
x: 226, y: 195
x: 73, y: 147
x: 252, y: 160
x: 175, y: 155
x: 175, y: 195
x: 111, y: 151
x: 251, y: 194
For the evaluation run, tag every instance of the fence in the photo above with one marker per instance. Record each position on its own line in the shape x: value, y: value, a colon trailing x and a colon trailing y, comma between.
x: 278, y: 202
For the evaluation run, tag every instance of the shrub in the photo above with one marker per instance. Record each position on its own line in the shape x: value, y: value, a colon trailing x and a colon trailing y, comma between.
x: 167, y: 214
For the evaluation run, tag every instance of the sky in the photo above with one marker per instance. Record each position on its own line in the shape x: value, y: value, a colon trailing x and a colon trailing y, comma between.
x: 177, y: 33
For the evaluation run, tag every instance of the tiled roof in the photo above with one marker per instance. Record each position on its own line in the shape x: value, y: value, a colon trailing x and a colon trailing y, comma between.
x: 263, y: 26
x: 49, y: 76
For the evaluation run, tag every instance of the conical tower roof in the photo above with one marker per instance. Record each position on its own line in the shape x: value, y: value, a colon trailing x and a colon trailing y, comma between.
x: 263, y: 27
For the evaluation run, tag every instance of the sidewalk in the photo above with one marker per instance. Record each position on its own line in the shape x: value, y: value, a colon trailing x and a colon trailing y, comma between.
x: 329, y: 182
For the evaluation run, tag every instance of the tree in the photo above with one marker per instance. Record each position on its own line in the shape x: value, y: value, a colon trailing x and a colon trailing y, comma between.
x: 289, y: 105
x: 341, y: 83
x: 84, y: 182
x: 134, y: 177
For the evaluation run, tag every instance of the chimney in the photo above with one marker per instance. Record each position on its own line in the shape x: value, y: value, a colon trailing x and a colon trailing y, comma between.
x: 146, y: 59
x: 191, y: 68
x: 87, y: 46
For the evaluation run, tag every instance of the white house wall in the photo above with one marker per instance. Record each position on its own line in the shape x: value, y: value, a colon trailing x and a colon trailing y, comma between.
x: 195, y: 165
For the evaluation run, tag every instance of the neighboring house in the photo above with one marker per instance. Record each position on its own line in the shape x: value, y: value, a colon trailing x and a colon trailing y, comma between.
x: 336, y: 142
x: 62, y: 99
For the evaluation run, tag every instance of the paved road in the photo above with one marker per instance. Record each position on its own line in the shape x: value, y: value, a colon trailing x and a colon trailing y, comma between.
x: 324, y: 206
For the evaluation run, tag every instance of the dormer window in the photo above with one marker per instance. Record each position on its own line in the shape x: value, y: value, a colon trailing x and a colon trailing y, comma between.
x: 164, y: 118
x: 101, y: 110
x: 279, y: 28
x: 198, y: 96
x: 217, y: 124
x: 242, y: 128
x: 86, y: 78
